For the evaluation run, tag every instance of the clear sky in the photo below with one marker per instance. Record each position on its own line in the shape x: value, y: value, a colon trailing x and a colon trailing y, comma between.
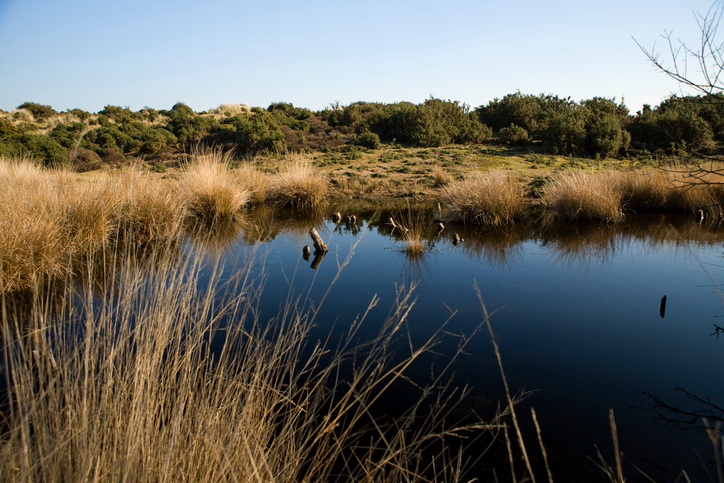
x: 88, y: 54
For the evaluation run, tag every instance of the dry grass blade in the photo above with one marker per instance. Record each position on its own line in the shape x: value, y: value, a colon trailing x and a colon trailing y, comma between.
x: 511, y: 403
x: 615, y: 475
x: 542, y: 446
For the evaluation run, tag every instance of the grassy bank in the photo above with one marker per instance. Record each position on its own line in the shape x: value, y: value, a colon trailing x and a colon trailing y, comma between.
x: 51, y: 218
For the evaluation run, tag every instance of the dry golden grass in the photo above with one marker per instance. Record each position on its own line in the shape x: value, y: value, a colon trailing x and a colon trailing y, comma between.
x: 413, y: 229
x: 441, y: 177
x: 253, y: 181
x: 134, y: 393
x: 210, y: 189
x: 493, y: 198
x: 147, y: 209
x: 48, y: 217
x: 298, y: 184
x: 644, y: 189
x: 584, y: 195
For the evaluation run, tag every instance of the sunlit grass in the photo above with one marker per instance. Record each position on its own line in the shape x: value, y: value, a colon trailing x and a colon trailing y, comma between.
x: 131, y: 390
x: 298, y: 184
x: 583, y: 195
x: 492, y: 198
x: 210, y: 188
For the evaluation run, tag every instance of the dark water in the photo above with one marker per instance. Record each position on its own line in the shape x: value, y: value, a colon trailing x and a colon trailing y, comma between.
x: 577, y: 313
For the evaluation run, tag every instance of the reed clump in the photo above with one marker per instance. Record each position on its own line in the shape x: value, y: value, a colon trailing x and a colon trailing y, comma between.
x: 253, y: 181
x: 645, y: 189
x: 210, y: 188
x: 413, y: 227
x: 298, y: 185
x: 441, y: 178
x: 48, y: 217
x: 162, y: 382
x: 584, y: 196
x: 146, y: 209
x: 492, y: 198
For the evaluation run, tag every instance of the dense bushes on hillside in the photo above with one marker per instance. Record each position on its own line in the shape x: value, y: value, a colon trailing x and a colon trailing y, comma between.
x: 596, y: 127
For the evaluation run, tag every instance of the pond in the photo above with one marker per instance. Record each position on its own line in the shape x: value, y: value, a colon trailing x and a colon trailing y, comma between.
x: 577, y: 313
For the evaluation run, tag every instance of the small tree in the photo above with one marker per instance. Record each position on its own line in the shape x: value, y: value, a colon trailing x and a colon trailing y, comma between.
x: 707, y: 79
x: 708, y: 55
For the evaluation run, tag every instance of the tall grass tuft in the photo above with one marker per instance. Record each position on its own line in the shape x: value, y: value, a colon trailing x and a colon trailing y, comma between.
x: 159, y: 380
x: 645, y: 189
x: 441, y: 178
x: 298, y: 185
x: 414, y: 224
x: 210, y: 189
x: 491, y: 198
x: 253, y: 181
x: 147, y: 210
x: 584, y: 196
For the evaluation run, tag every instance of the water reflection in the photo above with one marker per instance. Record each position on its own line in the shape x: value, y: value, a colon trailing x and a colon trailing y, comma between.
x: 580, y: 245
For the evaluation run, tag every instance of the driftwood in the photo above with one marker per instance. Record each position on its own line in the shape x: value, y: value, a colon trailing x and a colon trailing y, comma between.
x: 306, y: 252
x: 319, y: 244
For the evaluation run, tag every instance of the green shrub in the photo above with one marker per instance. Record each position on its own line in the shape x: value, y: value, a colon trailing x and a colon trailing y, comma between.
x: 513, y: 135
x: 41, y: 147
x: 605, y: 120
x: 369, y: 140
x: 186, y: 125
x: 39, y: 111
x: 257, y: 133
x: 156, y: 138
x: 80, y: 114
x: 7, y: 127
x: 67, y: 135
x: 565, y: 133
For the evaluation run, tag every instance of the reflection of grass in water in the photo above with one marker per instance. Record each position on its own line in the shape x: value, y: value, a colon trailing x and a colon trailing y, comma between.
x: 497, y: 246
x: 265, y: 223
x: 137, y: 394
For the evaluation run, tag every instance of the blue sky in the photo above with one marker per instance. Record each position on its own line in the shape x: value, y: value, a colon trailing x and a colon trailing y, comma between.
x: 88, y: 54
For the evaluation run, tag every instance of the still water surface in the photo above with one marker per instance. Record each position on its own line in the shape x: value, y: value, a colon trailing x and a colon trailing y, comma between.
x: 576, y: 312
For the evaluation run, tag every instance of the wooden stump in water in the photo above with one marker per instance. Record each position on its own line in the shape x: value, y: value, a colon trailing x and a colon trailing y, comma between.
x: 438, y: 216
x: 318, y: 256
x: 319, y: 244
x: 306, y: 252
x: 662, y: 307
